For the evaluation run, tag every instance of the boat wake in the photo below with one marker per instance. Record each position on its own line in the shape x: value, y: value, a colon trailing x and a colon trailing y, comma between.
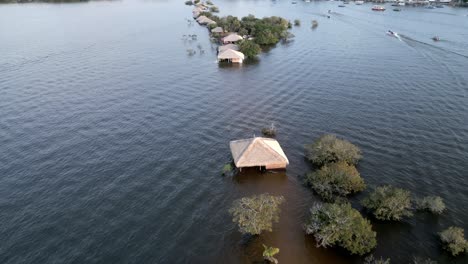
x: 410, y: 41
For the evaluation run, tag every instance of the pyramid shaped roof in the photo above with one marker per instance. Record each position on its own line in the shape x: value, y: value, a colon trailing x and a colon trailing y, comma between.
x: 257, y: 151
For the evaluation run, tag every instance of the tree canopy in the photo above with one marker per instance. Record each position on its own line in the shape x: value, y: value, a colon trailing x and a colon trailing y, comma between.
x: 453, y: 239
x: 389, y: 203
x: 335, y: 179
x: 257, y: 213
x: 341, y: 225
x: 329, y: 148
x: 433, y: 204
x: 264, y: 31
x: 249, y: 48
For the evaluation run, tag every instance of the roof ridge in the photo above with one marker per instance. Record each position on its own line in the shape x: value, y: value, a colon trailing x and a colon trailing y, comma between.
x: 260, y: 140
x: 249, y: 146
x: 272, y: 150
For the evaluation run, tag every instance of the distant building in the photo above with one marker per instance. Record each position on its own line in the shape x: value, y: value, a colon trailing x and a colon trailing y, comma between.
x: 231, y: 38
x: 258, y: 152
x: 203, y: 20
x: 228, y: 46
x: 217, y: 30
x: 231, y: 56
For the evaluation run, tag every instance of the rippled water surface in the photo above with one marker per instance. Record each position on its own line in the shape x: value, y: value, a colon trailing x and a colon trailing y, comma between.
x: 112, y: 138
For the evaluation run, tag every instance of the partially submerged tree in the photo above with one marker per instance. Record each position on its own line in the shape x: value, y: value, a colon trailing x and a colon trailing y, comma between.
x: 335, y: 179
x: 214, y: 9
x: 188, y: 2
x: 389, y: 203
x: 257, y: 213
x: 453, y: 239
x: 340, y: 225
x: 269, y: 254
x: 227, y: 168
x: 249, y: 48
x: 329, y: 148
x: 297, y: 22
x: 269, y: 131
x: 433, y: 204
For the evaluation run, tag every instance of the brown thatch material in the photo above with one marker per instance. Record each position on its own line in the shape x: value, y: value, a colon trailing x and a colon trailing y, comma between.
x: 205, y: 20
x: 217, y: 30
x: 231, y: 55
x: 258, y: 152
x: 228, y: 46
x: 232, y: 38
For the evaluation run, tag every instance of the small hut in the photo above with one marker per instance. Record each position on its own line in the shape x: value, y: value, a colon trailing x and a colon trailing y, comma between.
x: 217, y: 30
x: 231, y: 56
x: 203, y: 20
x: 258, y: 152
x: 228, y: 46
x: 231, y: 38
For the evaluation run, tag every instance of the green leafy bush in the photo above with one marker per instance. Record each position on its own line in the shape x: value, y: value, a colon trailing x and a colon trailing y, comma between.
x: 269, y: 254
x: 389, y: 203
x: 433, y: 204
x: 250, y: 49
x: 227, y: 168
x: 329, y: 148
x: 214, y: 9
x: 340, y: 225
x: 257, y: 213
x: 454, y: 241
x: 335, y: 179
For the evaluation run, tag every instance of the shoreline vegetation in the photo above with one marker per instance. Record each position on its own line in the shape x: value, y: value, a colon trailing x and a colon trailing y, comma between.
x: 334, y: 222
x: 240, y: 38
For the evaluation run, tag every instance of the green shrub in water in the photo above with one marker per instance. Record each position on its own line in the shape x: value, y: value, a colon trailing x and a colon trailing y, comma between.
x: 256, y: 213
x: 433, y: 204
x: 269, y: 254
x: 329, y: 148
x: 333, y: 179
x: 389, y: 203
x: 453, y: 239
x: 334, y: 224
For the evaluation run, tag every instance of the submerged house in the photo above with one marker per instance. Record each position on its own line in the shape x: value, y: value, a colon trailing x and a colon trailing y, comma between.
x: 258, y: 152
x: 217, y: 30
x: 228, y: 46
x: 231, y: 56
x: 203, y: 20
x: 231, y: 38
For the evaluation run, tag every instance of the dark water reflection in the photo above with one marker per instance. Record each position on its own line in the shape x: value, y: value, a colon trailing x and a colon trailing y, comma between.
x: 113, y: 138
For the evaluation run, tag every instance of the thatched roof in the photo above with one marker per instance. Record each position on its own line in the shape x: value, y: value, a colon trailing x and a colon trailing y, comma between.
x: 232, y: 38
x: 230, y: 54
x: 205, y: 20
x: 217, y: 30
x: 257, y: 151
x: 228, y: 46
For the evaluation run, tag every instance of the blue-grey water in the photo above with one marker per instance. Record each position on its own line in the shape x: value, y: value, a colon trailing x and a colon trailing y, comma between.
x: 112, y: 138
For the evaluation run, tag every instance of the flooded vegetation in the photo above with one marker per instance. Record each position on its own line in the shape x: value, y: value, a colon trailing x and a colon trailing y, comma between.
x: 116, y: 122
